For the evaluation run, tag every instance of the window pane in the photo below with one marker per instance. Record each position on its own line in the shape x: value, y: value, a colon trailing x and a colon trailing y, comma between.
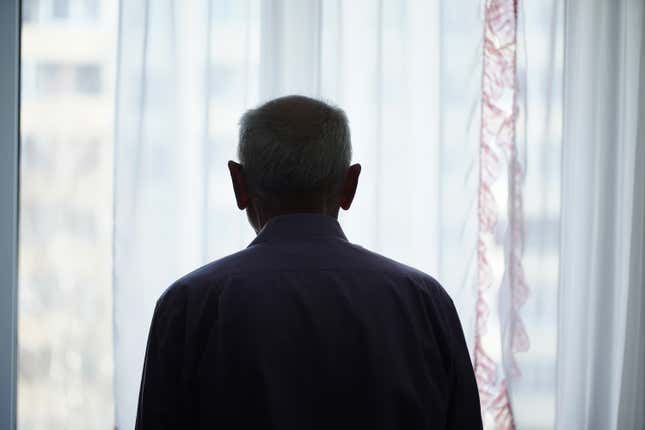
x: 60, y: 9
x: 50, y: 78
x: 88, y: 79
x: 91, y: 9
x: 30, y: 10
x: 65, y: 298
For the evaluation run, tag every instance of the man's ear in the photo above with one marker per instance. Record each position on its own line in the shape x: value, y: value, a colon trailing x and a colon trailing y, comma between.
x: 239, y: 185
x: 348, y: 189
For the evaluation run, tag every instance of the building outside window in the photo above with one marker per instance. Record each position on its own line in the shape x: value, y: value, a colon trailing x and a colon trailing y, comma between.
x: 64, y: 309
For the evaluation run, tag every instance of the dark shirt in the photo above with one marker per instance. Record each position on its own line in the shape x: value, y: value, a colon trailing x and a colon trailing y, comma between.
x: 304, y: 330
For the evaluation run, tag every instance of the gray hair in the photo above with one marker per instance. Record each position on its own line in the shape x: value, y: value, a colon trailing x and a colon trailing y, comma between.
x: 294, y: 144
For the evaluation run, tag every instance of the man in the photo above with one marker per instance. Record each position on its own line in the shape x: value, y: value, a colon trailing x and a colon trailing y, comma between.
x: 302, y: 329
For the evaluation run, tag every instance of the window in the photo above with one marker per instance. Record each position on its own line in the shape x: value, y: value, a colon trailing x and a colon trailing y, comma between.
x: 63, y: 12
x: 50, y: 78
x: 62, y: 79
x: 60, y: 9
x: 35, y: 152
x: 66, y: 185
x: 29, y: 11
x: 64, y: 303
x: 88, y: 79
x: 91, y: 9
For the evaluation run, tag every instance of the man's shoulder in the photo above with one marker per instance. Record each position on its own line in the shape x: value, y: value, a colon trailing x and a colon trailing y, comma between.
x: 212, y: 277
x: 388, y: 265
x: 208, y: 278
x: 224, y: 266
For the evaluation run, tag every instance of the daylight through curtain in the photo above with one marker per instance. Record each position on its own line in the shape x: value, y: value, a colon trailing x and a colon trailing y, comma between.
x: 451, y: 104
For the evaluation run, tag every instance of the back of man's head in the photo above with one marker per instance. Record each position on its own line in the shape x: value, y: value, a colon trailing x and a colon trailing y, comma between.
x: 294, y: 148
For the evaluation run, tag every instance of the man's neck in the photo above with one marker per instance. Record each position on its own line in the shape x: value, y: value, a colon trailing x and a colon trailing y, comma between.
x: 259, y: 217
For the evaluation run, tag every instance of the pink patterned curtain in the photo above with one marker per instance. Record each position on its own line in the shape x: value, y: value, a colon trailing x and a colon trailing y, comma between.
x: 499, y: 159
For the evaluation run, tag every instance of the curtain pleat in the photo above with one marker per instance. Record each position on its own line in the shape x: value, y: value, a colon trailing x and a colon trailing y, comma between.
x: 600, y: 330
x: 159, y: 200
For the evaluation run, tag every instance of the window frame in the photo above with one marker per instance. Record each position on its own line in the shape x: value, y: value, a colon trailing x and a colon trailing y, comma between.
x: 9, y: 187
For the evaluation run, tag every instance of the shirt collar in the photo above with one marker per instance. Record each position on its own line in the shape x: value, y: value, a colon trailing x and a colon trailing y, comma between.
x: 298, y: 227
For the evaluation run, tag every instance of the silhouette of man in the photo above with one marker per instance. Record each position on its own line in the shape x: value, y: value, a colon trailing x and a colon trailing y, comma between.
x: 303, y: 329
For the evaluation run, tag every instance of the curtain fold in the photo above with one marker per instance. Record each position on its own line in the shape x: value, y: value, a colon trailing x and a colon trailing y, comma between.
x: 159, y: 218
x: 600, y: 330
x: 631, y: 414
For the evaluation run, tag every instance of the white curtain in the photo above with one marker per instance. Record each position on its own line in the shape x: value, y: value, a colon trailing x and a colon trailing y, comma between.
x: 160, y: 177
x: 601, y: 333
x: 410, y: 75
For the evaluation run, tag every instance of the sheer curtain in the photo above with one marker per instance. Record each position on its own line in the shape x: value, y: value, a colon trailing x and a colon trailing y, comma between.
x: 601, y: 333
x: 456, y: 115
